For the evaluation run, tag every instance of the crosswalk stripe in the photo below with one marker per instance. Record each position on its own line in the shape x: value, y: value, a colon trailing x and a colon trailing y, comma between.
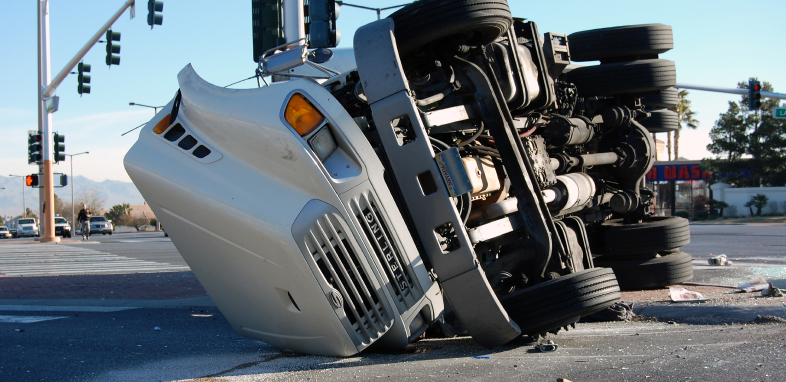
x: 49, y: 260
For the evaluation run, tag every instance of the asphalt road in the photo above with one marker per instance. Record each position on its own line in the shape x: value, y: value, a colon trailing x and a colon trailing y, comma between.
x: 198, y: 344
x: 94, y: 341
x: 757, y: 250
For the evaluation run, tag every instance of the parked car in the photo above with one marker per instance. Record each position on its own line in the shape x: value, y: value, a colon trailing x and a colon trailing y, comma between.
x: 27, y: 227
x: 458, y: 159
x: 99, y: 224
x: 5, y: 233
x: 62, y: 228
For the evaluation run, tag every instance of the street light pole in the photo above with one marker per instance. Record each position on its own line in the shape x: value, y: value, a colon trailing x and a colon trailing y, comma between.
x: 24, y: 207
x: 73, y: 221
x: 155, y: 108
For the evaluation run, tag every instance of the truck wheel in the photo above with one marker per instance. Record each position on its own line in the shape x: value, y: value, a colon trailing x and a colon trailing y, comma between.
x: 624, y: 77
x: 659, y: 233
x: 661, y: 121
x: 666, y: 99
x: 561, y: 302
x: 426, y: 21
x: 648, y: 273
x: 626, y: 41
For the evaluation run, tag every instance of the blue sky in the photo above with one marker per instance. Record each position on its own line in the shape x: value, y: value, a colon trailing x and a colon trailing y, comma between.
x: 714, y: 45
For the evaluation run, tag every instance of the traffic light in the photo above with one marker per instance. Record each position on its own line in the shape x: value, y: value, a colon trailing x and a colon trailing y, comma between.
x: 754, y: 95
x: 31, y: 180
x: 83, y: 78
x: 321, y: 25
x: 33, y: 148
x: 112, y: 48
x: 63, y: 180
x: 59, y: 148
x: 154, y: 18
x: 267, y: 25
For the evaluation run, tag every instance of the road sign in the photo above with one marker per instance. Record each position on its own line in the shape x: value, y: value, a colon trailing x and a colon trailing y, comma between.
x: 779, y: 112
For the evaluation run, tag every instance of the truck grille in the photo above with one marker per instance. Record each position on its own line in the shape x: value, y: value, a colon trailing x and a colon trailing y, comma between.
x: 386, y: 251
x: 339, y: 265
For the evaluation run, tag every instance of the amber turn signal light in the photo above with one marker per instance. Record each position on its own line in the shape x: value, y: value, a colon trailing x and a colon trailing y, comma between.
x: 162, y: 125
x: 302, y: 115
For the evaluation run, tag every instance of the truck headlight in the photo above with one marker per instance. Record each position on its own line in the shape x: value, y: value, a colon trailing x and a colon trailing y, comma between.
x: 323, y: 143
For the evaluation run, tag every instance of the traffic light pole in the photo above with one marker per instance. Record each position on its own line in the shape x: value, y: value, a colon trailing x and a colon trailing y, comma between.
x: 47, y: 104
x: 717, y: 89
x: 46, y: 216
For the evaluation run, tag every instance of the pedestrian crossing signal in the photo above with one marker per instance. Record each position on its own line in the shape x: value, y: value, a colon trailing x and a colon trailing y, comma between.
x: 32, y: 180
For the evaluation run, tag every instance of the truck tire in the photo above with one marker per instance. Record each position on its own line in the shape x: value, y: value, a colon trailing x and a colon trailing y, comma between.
x: 624, y: 77
x: 426, y: 21
x: 625, y: 41
x: 661, y: 121
x: 666, y: 99
x: 649, y: 273
x: 561, y: 302
x: 659, y: 233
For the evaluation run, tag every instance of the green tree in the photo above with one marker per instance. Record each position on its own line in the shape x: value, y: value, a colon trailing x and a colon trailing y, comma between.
x: 744, y: 139
x: 118, y: 213
x: 717, y: 206
x: 30, y: 214
x: 685, y: 117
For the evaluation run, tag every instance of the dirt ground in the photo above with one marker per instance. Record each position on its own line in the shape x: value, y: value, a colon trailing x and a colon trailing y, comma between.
x: 714, y: 296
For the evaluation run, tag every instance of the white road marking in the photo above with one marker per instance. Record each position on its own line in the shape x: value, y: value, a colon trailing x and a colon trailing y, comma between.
x: 26, y: 319
x: 50, y: 260
x: 51, y: 308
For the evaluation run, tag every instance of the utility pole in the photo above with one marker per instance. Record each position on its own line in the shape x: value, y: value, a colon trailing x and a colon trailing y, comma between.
x: 24, y: 206
x: 48, y: 104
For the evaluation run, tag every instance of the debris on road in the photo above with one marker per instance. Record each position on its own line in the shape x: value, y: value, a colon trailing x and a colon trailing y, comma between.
x: 768, y: 320
x: 680, y: 294
x: 719, y: 260
x: 620, y: 311
x: 771, y: 291
x: 755, y: 285
x: 548, y: 347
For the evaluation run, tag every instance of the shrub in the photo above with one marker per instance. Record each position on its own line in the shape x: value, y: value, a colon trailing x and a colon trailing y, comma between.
x: 701, y: 215
x: 759, y: 201
x: 682, y: 214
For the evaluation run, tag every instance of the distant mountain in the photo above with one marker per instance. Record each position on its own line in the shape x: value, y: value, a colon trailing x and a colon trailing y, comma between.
x: 112, y: 191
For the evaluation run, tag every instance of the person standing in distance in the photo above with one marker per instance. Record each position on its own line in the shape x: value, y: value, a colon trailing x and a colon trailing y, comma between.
x: 84, y: 222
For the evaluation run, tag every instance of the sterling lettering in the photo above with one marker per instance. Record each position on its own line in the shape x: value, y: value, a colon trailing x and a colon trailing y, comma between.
x: 376, y: 235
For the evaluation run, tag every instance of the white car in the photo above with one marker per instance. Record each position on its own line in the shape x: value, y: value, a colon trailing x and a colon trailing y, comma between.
x: 4, y: 233
x: 99, y: 224
x: 27, y: 227
x: 62, y: 228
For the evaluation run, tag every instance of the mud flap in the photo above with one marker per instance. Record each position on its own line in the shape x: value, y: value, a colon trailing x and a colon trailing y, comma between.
x: 412, y: 161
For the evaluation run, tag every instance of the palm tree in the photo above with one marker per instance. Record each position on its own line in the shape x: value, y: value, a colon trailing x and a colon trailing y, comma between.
x: 684, y: 115
x: 759, y: 201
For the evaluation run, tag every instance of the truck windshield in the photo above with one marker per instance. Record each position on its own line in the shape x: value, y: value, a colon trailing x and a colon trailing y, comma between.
x: 26, y: 221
